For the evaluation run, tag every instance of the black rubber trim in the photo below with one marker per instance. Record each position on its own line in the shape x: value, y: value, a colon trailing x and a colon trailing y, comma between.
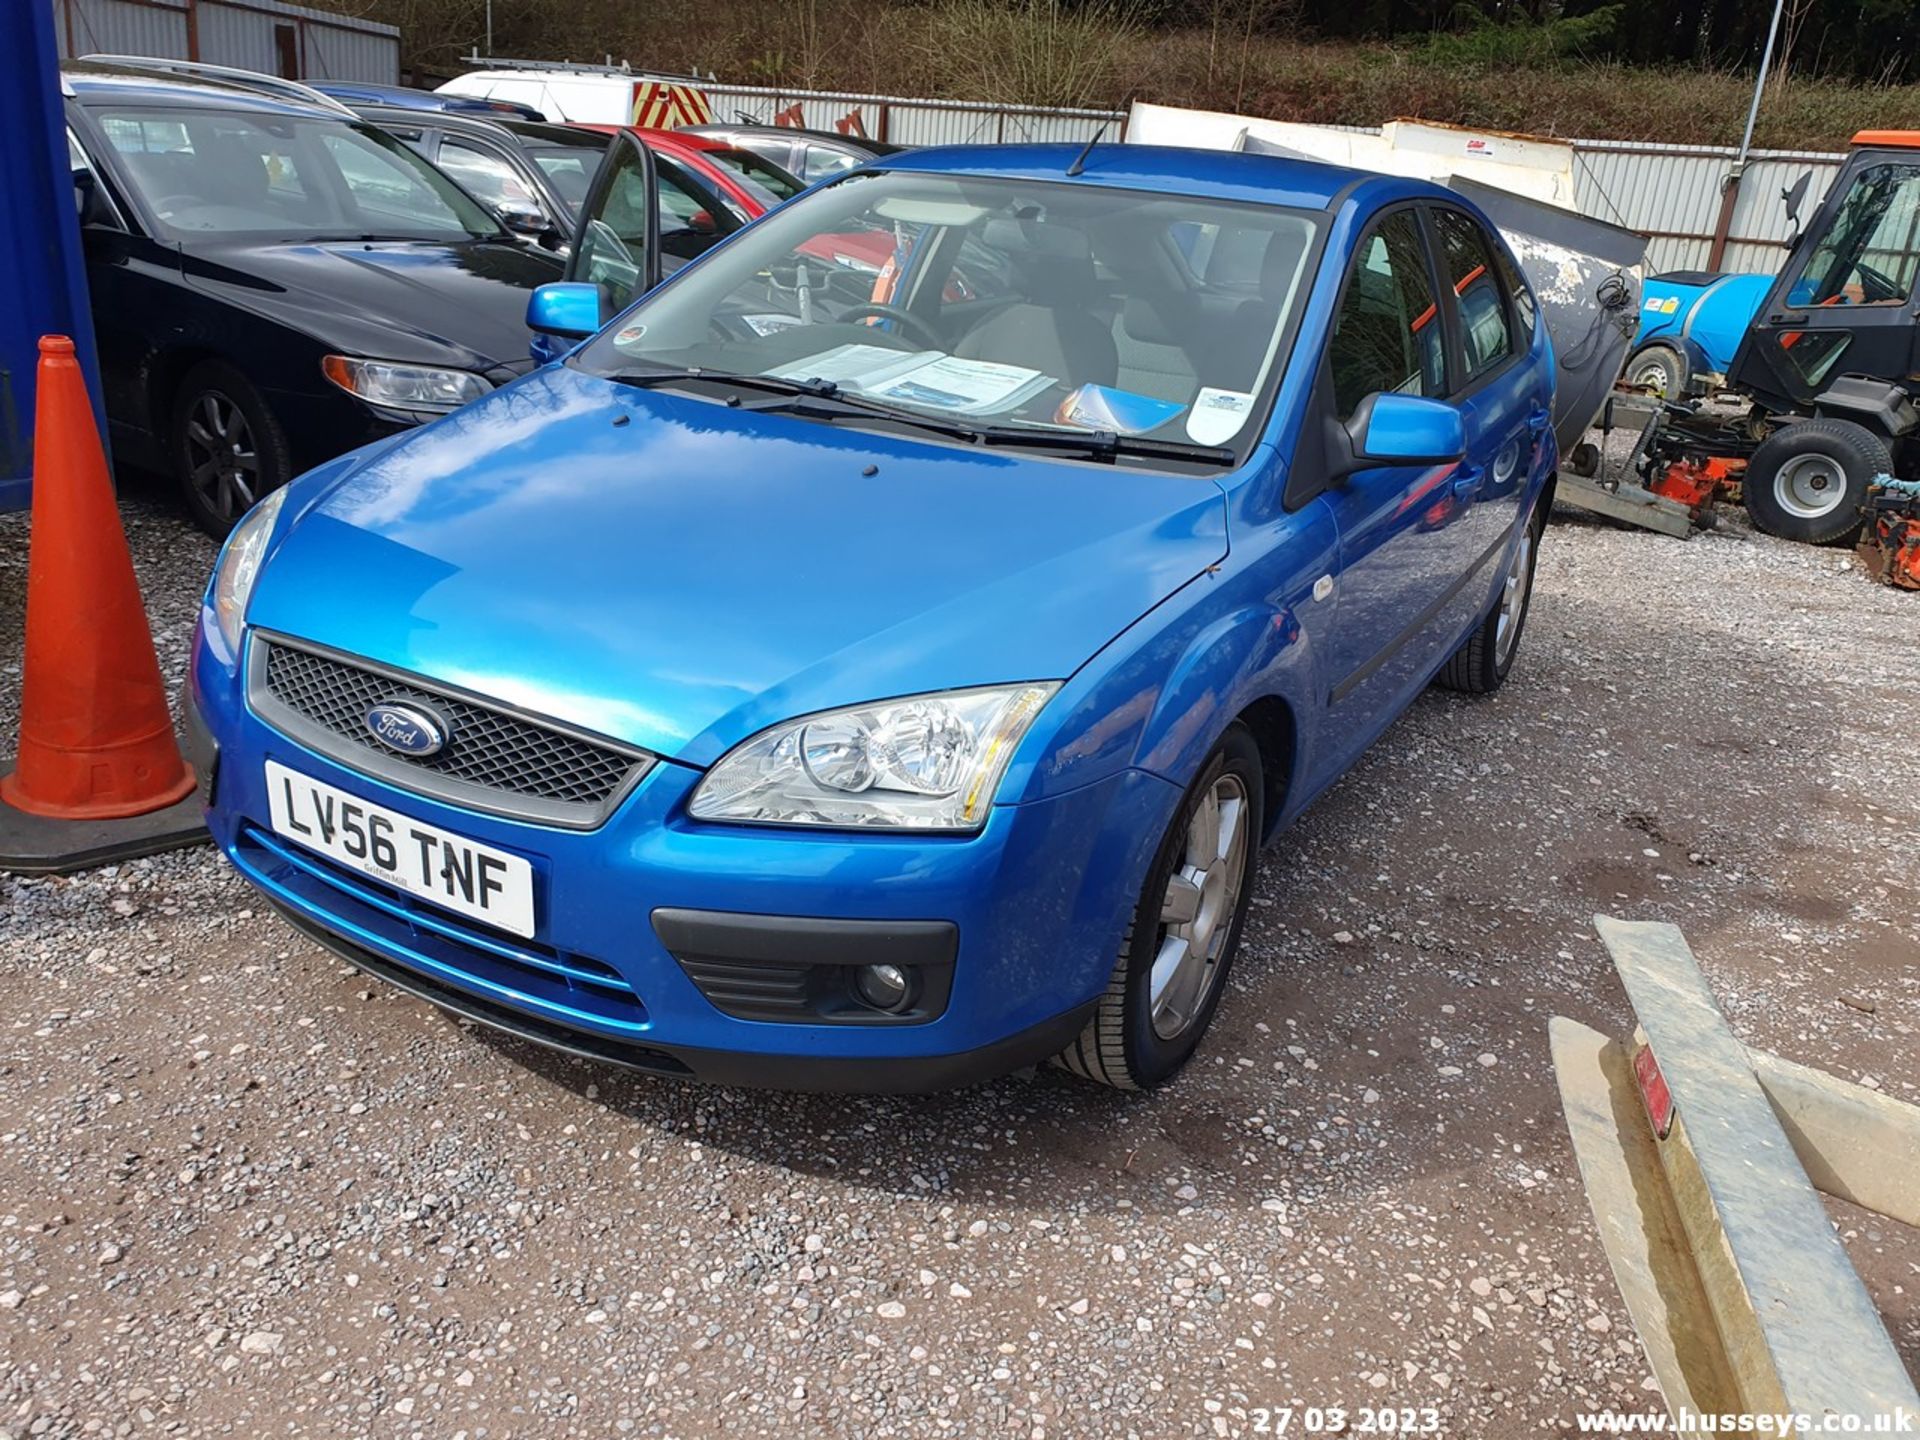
x: 793, y: 968
x: 876, y: 1075
x: 805, y: 940
x: 1420, y: 622
x: 202, y: 750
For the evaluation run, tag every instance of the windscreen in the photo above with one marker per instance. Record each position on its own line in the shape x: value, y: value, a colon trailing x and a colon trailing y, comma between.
x: 1026, y: 302
x: 247, y: 173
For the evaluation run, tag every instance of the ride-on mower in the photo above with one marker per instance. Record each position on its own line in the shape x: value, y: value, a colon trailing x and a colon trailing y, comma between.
x: 1830, y: 368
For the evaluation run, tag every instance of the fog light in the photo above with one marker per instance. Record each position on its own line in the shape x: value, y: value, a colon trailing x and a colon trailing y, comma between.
x: 885, y: 987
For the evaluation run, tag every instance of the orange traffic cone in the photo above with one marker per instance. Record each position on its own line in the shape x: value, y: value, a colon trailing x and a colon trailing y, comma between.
x: 95, y: 740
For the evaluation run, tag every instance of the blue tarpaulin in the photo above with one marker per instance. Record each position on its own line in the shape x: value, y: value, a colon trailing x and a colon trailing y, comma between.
x: 43, y: 284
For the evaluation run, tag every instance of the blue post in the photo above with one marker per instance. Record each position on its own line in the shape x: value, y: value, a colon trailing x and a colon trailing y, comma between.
x: 43, y: 280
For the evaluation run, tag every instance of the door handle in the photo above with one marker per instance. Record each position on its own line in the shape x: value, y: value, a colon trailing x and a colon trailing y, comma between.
x: 1467, y: 483
x: 1539, y: 418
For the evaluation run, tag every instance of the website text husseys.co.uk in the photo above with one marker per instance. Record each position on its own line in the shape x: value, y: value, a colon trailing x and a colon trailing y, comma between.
x: 1898, y: 1421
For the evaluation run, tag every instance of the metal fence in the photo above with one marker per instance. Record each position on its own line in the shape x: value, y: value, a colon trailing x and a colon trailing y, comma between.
x: 1672, y: 194
x: 905, y: 121
x: 267, y: 35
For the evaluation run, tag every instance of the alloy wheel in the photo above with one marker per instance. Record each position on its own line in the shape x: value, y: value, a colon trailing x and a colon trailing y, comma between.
x: 1198, y: 909
x: 223, y: 465
x: 1513, y: 598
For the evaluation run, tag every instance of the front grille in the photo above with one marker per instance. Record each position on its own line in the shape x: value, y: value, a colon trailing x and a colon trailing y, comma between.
x: 495, y: 759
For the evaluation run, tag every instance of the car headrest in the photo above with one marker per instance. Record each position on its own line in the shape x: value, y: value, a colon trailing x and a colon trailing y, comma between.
x: 1147, y: 322
x: 1281, y: 266
x: 1048, y: 258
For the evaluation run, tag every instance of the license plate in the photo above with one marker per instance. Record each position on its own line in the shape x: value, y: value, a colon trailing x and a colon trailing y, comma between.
x: 449, y: 870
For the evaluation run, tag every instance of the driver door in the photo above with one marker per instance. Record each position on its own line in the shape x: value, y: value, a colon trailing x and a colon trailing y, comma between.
x: 1846, y: 304
x: 616, y: 240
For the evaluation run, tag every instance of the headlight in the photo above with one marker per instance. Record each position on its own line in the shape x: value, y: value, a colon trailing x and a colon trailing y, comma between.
x: 239, y: 566
x: 403, y: 387
x: 926, y: 762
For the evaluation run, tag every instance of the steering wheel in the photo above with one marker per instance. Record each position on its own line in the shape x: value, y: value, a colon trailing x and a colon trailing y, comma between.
x: 1876, y: 285
x: 906, y: 319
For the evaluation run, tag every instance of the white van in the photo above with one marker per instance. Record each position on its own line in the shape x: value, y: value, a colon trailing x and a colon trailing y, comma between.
x: 590, y: 96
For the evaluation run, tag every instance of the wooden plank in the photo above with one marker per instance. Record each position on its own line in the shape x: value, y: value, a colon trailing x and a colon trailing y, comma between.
x: 1797, y: 1325
x: 1645, y: 1243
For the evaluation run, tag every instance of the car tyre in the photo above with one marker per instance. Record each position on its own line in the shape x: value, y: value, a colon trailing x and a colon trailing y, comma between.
x: 1807, y: 481
x: 228, y: 449
x: 1185, y: 929
x: 1481, y: 666
x: 1662, y: 369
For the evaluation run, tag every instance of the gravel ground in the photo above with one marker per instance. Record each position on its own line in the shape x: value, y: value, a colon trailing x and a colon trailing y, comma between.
x: 244, y: 1190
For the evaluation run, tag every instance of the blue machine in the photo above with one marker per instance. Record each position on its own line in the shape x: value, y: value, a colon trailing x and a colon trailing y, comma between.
x: 1691, y: 322
x: 41, y: 274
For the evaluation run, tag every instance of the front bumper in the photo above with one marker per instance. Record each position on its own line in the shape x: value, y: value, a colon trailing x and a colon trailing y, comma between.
x: 1033, y: 908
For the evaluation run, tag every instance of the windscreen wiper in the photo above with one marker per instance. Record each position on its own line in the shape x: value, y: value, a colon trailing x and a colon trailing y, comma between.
x: 1106, y: 444
x: 810, y: 399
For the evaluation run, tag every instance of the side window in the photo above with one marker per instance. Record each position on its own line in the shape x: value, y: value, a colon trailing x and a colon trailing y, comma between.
x: 489, y: 179
x: 1525, y: 307
x: 818, y: 162
x: 1467, y: 262
x: 689, y: 224
x: 1387, y: 335
x: 613, y: 247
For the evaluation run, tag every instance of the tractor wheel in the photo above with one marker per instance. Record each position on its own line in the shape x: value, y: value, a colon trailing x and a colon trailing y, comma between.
x: 1807, y: 481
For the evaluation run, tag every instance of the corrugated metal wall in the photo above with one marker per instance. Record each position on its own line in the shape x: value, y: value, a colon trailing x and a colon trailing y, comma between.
x: 1672, y: 194
x: 120, y: 27
x: 230, y: 32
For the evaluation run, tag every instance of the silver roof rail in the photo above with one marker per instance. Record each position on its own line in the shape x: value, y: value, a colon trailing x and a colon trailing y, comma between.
x: 254, y: 80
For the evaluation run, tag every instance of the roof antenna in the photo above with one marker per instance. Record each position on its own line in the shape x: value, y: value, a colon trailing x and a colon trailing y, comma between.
x: 1080, y: 160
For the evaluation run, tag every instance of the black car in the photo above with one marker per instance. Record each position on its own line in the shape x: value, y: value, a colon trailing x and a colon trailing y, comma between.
x: 534, y: 176
x: 274, y: 282
x: 810, y: 154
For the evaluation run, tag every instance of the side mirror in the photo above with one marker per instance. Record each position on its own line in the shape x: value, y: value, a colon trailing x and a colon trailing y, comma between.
x: 1394, y: 429
x: 88, y: 203
x: 1794, y: 196
x: 701, y: 222
x: 525, y: 222
x: 567, y: 309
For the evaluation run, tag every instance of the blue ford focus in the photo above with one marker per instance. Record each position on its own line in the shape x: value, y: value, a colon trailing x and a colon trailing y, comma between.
x: 875, y: 658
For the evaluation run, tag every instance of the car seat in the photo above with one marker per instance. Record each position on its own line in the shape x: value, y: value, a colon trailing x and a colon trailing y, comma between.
x: 1051, y: 327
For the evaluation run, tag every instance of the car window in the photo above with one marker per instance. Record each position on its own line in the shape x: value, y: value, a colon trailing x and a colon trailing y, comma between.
x: 818, y: 162
x: 311, y: 177
x: 490, y: 178
x: 1387, y: 336
x: 610, y: 251
x: 568, y: 168
x: 1038, y: 302
x: 1526, y: 311
x: 1870, y: 253
x: 689, y: 223
x: 1467, y: 262
x: 763, y: 175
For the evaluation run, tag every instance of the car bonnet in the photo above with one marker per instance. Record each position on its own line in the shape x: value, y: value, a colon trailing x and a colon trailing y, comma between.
x: 679, y: 574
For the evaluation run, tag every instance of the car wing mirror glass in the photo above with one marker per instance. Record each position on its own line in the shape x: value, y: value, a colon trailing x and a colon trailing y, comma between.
x: 1388, y: 429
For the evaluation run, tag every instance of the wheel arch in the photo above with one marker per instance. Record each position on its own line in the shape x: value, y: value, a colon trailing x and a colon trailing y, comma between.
x: 1250, y: 667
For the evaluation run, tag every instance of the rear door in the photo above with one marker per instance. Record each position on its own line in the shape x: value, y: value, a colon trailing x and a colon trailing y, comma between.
x: 1502, y: 395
